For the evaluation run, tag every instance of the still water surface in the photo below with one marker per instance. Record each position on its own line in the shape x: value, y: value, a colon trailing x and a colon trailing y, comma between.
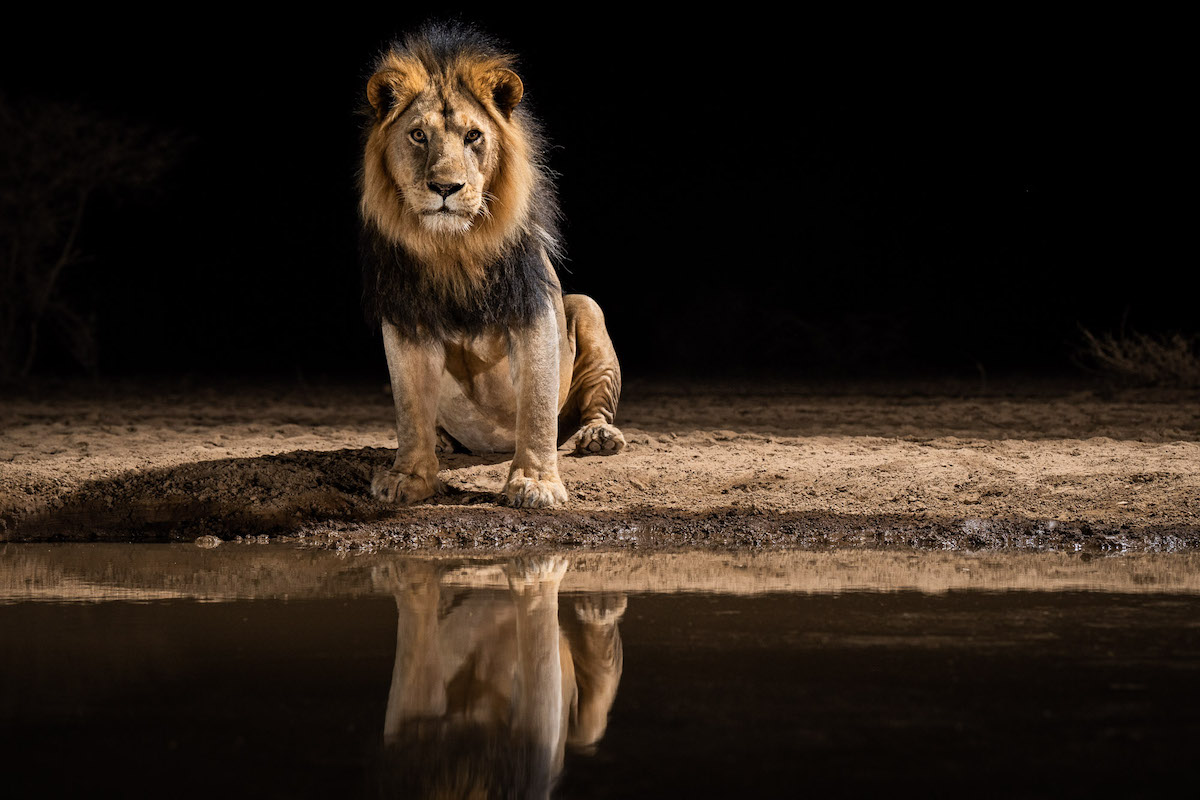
x: 266, y: 671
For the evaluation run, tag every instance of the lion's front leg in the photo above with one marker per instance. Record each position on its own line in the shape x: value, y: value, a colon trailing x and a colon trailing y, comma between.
x: 538, y: 702
x: 416, y: 371
x: 534, y: 352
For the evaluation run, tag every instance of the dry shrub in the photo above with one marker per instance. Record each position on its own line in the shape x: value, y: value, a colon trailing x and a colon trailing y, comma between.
x: 1143, y: 359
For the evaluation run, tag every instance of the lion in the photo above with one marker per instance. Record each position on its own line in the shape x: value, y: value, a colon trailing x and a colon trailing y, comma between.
x: 489, y: 688
x: 460, y: 218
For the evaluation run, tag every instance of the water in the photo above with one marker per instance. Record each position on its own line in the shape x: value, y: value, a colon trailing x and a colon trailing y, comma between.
x: 172, y: 671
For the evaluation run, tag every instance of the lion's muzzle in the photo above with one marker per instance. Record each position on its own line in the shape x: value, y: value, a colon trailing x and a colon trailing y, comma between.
x: 444, y: 189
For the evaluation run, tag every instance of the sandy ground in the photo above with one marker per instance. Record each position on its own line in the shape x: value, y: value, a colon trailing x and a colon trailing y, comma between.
x: 1022, y: 466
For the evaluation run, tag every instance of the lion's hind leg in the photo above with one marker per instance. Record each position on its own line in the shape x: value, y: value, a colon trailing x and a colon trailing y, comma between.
x: 591, y: 403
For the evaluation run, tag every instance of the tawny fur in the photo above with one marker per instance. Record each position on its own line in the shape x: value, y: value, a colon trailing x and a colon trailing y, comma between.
x: 534, y: 687
x: 460, y: 215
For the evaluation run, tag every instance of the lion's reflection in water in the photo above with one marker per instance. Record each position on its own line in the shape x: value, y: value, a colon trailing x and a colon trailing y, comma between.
x: 490, y: 687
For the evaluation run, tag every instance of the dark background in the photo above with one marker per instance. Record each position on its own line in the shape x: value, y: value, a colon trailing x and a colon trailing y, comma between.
x: 743, y: 194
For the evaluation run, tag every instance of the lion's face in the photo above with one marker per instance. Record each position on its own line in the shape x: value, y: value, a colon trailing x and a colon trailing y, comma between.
x: 442, y: 153
x: 447, y: 169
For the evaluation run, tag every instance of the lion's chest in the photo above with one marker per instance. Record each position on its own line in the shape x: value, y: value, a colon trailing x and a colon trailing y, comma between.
x: 477, y: 404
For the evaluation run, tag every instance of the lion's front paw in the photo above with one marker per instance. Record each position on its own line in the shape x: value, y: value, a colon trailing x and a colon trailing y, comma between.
x: 600, y: 609
x: 599, y: 439
x: 539, y: 491
x: 409, y: 578
x: 396, y: 486
x: 532, y: 571
x: 534, y: 582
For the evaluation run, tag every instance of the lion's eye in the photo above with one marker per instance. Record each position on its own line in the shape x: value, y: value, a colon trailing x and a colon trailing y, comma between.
x: 417, y: 135
x: 473, y: 136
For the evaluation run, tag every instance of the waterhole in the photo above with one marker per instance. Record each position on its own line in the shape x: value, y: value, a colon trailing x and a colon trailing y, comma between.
x: 269, y: 671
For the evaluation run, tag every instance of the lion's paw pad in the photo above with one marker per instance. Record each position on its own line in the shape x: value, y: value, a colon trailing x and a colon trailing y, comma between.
x: 532, y: 493
x: 600, y: 439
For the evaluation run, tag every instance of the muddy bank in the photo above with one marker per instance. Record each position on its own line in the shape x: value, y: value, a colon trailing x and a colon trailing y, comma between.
x: 101, y: 572
x: 470, y: 529
x: 1025, y: 466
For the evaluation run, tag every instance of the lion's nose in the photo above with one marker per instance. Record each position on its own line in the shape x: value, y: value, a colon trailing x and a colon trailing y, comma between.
x: 445, y: 189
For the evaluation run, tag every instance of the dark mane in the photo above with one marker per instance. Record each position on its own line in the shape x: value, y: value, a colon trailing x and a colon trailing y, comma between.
x: 438, y: 42
x: 398, y: 289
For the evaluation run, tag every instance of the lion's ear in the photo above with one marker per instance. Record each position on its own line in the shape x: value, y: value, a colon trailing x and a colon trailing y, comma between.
x: 507, y: 90
x: 390, y: 91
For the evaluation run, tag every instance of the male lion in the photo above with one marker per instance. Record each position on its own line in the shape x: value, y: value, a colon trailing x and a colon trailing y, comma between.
x: 489, y: 689
x: 459, y: 217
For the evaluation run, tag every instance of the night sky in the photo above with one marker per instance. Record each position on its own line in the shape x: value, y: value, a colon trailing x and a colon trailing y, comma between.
x: 742, y: 194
